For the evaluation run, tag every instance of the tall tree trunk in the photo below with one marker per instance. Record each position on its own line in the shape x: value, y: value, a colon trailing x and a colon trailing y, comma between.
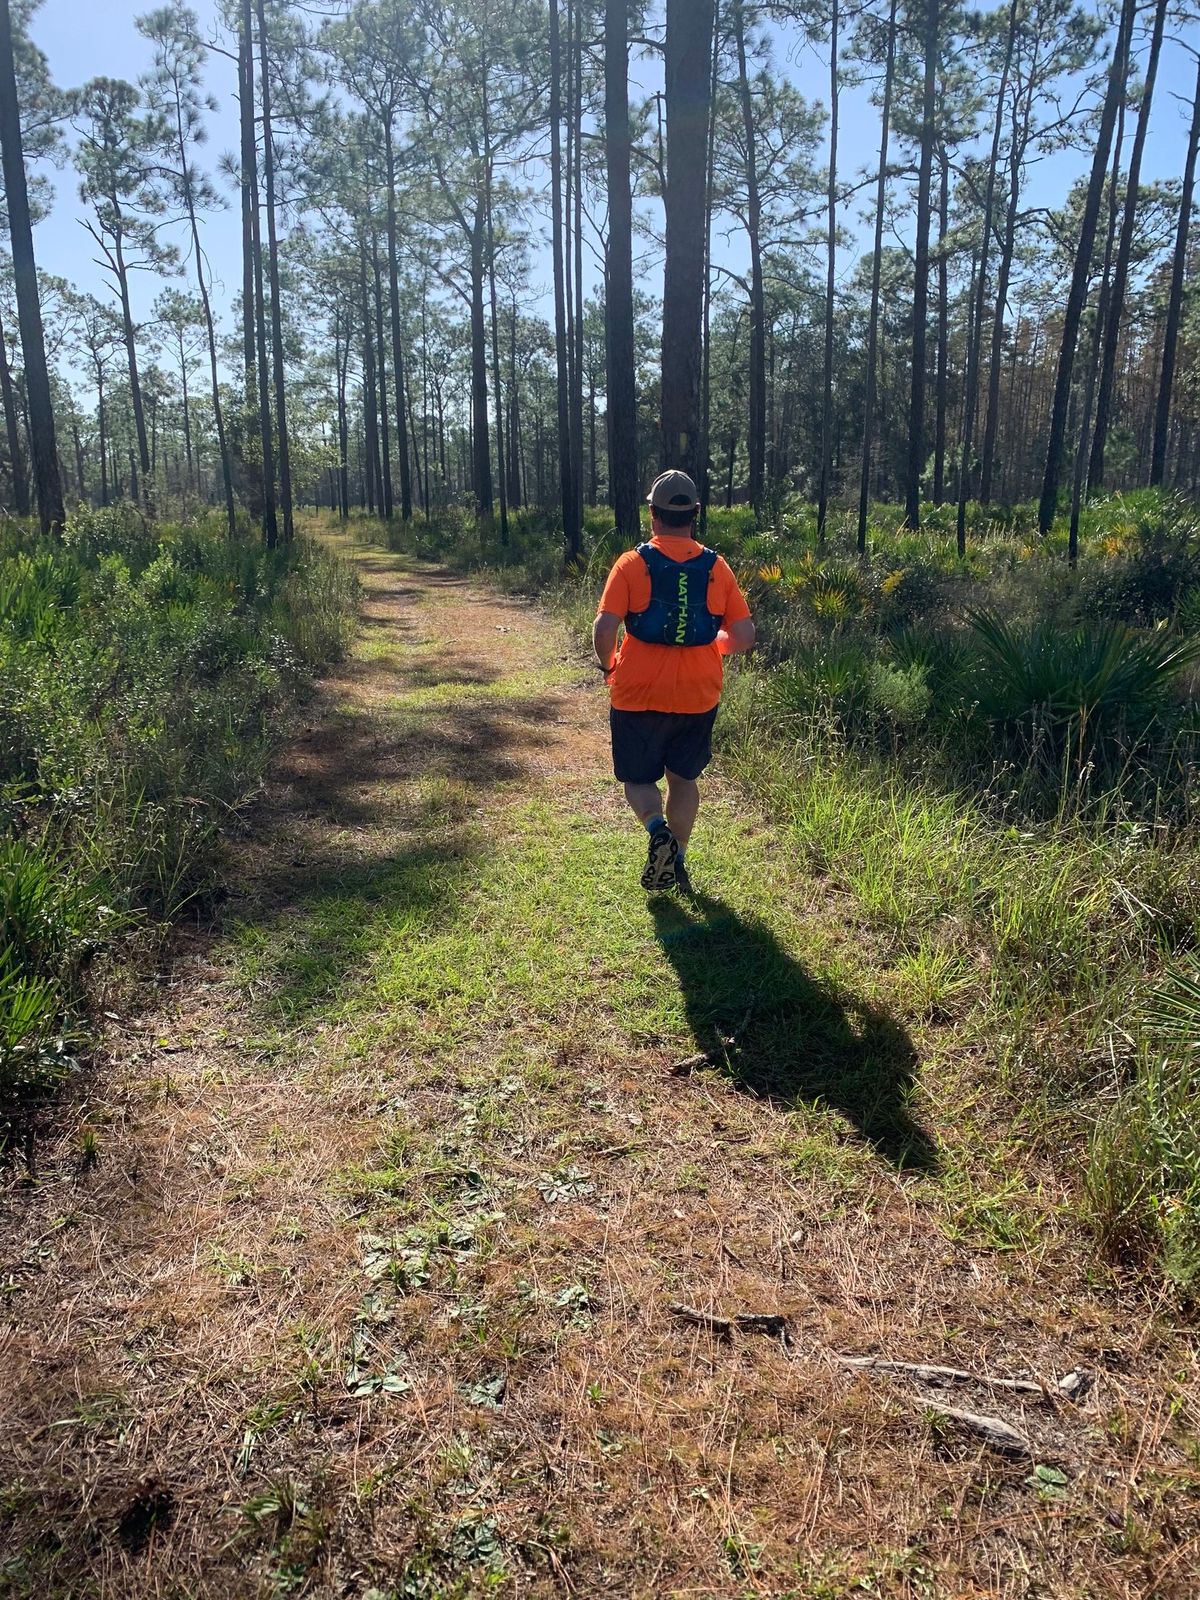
x: 397, y: 343
x: 830, y: 269
x: 1008, y: 244
x: 943, y: 321
x: 497, y: 385
x: 281, y: 425
x: 1112, y: 330
x: 250, y: 165
x: 974, y: 348
x: 373, y: 473
x: 1166, y: 379
x: 514, y: 423
x: 187, y: 421
x: 16, y: 455
x: 342, y: 356
x: 916, y: 414
x: 576, y: 69
x: 246, y: 188
x: 689, y: 35
x: 80, y: 486
x: 1093, y: 365
x: 422, y: 490
x: 618, y: 297
x: 706, y: 330
x: 864, y: 482
x: 210, y: 331
x: 480, y: 428
x: 43, y: 443
x: 385, y: 444
x: 1048, y: 504
x: 135, y: 385
x: 571, y: 528
x: 101, y: 421
x: 593, y: 474
x: 756, y: 435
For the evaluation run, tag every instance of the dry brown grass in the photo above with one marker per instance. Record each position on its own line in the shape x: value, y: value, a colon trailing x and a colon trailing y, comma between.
x: 175, y: 1417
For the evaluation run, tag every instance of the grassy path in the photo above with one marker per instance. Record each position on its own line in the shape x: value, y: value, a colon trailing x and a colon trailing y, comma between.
x: 368, y: 1289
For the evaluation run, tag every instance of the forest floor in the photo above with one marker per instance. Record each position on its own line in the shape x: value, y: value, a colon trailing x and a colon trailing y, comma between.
x: 354, y: 1270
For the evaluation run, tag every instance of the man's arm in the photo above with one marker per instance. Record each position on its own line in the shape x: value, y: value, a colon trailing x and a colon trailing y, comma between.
x: 604, y: 638
x: 737, y: 637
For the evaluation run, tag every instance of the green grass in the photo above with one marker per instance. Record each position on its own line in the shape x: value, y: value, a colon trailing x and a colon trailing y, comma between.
x: 144, y: 674
x: 1009, y: 806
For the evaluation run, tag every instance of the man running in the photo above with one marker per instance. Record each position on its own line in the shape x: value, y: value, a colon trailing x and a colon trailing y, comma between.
x: 682, y: 611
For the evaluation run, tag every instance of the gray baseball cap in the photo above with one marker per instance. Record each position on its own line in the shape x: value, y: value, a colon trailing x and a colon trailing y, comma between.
x: 673, y: 491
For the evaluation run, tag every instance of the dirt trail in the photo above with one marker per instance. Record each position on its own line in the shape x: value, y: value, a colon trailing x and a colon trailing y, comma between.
x: 369, y: 1287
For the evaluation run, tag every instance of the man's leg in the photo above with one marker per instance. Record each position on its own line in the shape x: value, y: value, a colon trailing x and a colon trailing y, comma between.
x: 645, y: 800
x: 683, y: 802
x: 659, y: 871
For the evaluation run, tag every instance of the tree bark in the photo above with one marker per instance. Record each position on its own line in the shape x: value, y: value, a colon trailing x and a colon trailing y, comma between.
x: 756, y: 435
x: 1166, y: 379
x: 341, y: 356
x: 281, y: 426
x: 480, y: 429
x: 372, y: 473
x: 576, y: 71
x: 43, y: 443
x: 16, y: 456
x: 250, y: 166
x: 571, y: 528
x: 385, y: 443
x: 101, y: 420
x: 397, y: 342
x: 618, y: 319
x: 916, y: 414
x: 218, y: 411
x: 830, y: 271
x: 864, y: 482
x: 1116, y: 307
x: 1048, y: 504
x: 943, y: 318
x: 497, y: 385
x: 706, y: 330
x: 974, y: 348
x: 689, y: 34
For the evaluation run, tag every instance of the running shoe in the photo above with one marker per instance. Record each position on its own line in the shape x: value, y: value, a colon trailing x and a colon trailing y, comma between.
x: 682, y: 881
x: 659, y: 871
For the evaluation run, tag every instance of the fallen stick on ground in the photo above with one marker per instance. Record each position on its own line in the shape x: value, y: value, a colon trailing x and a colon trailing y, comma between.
x: 933, y: 1374
x: 762, y: 1322
x: 994, y: 1431
x: 709, y: 1058
x: 721, y: 1326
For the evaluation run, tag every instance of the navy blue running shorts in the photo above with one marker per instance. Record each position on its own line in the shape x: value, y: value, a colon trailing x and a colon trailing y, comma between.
x: 646, y: 744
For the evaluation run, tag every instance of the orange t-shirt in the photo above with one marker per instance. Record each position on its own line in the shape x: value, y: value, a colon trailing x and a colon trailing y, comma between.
x: 668, y: 677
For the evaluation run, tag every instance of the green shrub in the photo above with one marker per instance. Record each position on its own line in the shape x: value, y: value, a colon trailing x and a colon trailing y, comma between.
x: 142, y: 672
x: 33, y: 1054
x: 1082, y: 685
x: 1143, y: 1179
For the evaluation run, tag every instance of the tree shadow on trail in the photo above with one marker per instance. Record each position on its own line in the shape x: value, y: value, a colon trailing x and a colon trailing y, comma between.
x: 786, y: 1036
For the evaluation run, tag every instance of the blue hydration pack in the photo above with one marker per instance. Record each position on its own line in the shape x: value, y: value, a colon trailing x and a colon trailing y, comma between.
x: 678, y: 611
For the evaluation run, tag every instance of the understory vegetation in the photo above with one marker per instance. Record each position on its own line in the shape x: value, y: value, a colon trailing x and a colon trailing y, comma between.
x: 144, y: 670
x: 998, y: 758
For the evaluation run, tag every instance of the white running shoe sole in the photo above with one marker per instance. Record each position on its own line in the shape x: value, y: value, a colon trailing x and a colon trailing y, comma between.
x: 659, y: 871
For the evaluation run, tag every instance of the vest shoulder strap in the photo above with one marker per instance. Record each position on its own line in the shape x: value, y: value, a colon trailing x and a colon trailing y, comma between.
x: 707, y: 558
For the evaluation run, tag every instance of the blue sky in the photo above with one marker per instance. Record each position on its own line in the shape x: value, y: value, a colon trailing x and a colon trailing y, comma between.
x: 89, y: 38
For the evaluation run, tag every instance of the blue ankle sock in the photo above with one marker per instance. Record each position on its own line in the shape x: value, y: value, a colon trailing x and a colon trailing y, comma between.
x: 653, y: 824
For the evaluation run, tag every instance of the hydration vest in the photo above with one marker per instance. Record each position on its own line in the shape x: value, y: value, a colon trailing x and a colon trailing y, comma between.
x: 678, y: 611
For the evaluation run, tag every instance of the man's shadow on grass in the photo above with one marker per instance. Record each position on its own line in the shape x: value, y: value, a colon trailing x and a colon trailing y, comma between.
x: 786, y: 1036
